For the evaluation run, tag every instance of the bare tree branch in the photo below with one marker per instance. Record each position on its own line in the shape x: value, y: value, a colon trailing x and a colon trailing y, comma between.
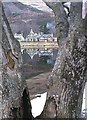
x: 62, y: 24
x: 69, y: 75
x: 67, y: 9
x: 75, y: 13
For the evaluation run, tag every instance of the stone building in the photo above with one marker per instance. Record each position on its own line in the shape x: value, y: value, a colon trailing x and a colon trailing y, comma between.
x: 35, y: 37
x: 32, y: 36
x: 19, y: 37
x: 40, y: 37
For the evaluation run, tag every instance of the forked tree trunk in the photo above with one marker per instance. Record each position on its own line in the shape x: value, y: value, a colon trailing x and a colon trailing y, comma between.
x: 67, y: 80
x: 66, y: 83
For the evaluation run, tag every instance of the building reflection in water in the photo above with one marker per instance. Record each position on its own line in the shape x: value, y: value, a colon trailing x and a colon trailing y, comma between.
x: 50, y: 52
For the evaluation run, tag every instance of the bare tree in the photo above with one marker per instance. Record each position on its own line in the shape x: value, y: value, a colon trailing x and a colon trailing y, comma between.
x: 69, y: 75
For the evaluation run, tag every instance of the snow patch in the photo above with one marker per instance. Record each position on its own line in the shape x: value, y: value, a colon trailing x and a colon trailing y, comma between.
x: 38, y: 104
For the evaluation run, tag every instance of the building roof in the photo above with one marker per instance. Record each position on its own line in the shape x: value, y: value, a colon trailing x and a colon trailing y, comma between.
x: 19, y: 36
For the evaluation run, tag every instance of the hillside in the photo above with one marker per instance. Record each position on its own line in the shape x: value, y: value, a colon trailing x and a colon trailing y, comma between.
x: 24, y: 17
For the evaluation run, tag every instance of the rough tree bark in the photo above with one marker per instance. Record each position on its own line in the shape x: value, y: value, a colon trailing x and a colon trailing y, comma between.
x: 13, y: 90
x: 66, y: 83
x: 67, y: 80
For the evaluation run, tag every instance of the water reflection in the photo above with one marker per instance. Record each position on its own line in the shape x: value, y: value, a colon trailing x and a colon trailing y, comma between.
x: 49, y: 55
x: 37, y: 61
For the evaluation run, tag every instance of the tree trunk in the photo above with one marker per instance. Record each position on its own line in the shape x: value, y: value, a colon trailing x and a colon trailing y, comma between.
x: 67, y: 80
x: 12, y: 85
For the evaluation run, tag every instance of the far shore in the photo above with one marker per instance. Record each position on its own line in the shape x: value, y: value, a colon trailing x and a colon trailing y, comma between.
x: 41, y: 44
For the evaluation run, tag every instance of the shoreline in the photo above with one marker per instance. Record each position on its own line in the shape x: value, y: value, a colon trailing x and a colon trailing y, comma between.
x: 42, y: 45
